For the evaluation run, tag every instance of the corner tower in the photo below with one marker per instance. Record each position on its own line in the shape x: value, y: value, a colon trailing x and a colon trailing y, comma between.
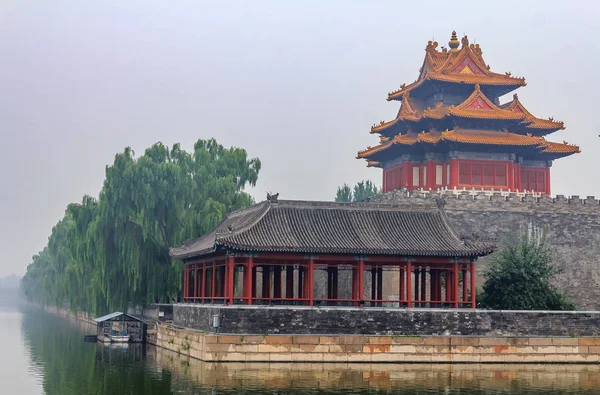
x: 451, y: 130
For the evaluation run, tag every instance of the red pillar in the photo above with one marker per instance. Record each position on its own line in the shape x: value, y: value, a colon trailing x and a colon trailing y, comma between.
x: 225, y: 288
x: 307, y: 284
x: 518, y: 180
x: 185, y: 281
x: 547, y: 174
x: 430, y: 166
x: 311, y: 281
x: 289, y: 281
x: 465, y: 293
x: 431, y: 286
x: 361, y: 279
x: 248, y: 280
x: 373, y: 283
x: 196, y: 283
x: 417, y: 294
x: 408, y: 284
x: 473, y: 289
x: 379, y: 285
x: 408, y: 176
x: 401, y: 287
x: 455, y: 284
x: 448, y: 285
x: 214, y: 281
x: 424, y: 284
x: 203, y: 290
x: 453, y: 173
x: 231, y: 279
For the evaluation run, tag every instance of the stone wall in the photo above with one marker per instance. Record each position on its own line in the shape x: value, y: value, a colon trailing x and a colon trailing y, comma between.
x: 381, y: 349
x: 380, y: 321
x: 573, y: 229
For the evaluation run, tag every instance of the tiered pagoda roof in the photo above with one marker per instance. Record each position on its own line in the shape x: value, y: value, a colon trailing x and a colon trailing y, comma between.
x: 455, y: 102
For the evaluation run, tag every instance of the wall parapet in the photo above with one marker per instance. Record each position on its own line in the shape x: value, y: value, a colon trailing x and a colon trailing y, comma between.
x: 395, y: 196
x: 386, y: 321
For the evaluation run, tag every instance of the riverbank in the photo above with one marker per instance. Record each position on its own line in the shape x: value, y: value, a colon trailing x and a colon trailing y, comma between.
x: 377, y: 349
x: 361, y: 349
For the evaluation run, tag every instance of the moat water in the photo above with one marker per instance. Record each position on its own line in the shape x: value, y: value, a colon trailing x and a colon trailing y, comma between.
x: 45, y: 354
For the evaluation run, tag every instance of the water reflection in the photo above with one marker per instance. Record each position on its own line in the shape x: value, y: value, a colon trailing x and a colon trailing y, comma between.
x: 68, y: 365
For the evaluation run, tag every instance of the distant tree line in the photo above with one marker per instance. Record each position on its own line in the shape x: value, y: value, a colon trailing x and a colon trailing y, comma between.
x: 361, y: 191
x: 114, y: 250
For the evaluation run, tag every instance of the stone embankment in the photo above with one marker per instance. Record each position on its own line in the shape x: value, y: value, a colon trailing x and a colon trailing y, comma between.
x: 377, y: 349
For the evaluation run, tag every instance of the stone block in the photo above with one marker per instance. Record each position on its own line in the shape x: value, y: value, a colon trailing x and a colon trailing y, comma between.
x: 245, y: 348
x: 312, y: 348
x: 274, y: 348
x: 403, y: 349
x: 518, y: 341
x: 490, y: 358
x: 354, y: 340
x: 274, y: 339
x: 335, y: 357
x: 280, y: 357
x: 380, y: 340
x: 376, y: 348
x: 567, y: 349
x: 565, y: 341
x: 219, y: 347
x: 409, y: 340
x: 505, y: 349
x: 306, y: 340
x: 540, y: 341
x: 416, y: 357
x: 583, y: 349
x: 226, y: 339
x: 464, y: 341
x: 353, y: 348
x: 360, y: 357
x: 208, y: 339
x: 444, y: 357
x: 253, y: 339
x: 307, y: 357
x: 589, y: 341
x: 544, y: 349
x: 327, y: 340
x: 594, y: 349
x: 493, y: 341
x: 437, y: 341
x: 336, y: 348
x: 461, y: 350
x: 256, y: 357
x: 387, y: 357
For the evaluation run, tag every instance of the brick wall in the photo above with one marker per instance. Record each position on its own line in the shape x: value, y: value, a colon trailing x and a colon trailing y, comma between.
x: 573, y: 225
x: 380, y: 321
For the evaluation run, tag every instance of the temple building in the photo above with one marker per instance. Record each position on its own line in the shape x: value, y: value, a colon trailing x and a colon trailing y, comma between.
x: 452, y: 132
x: 281, y: 252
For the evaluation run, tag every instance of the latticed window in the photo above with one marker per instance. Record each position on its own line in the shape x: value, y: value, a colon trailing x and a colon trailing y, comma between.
x: 395, y: 178
x: 415, y: 174
x: 439, y: 172
x: 482, y: 175
x: 533, y: 180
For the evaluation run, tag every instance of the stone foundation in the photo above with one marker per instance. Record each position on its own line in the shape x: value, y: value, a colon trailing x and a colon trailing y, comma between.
x: 377, y: 349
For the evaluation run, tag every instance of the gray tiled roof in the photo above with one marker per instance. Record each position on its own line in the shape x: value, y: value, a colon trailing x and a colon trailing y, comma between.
x: 341, y: 228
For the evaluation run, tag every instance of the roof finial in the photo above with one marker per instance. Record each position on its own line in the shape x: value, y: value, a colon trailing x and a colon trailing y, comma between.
x: 453, y: 43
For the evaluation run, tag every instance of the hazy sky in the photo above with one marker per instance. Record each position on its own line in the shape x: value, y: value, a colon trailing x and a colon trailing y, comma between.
x: 296, y: 83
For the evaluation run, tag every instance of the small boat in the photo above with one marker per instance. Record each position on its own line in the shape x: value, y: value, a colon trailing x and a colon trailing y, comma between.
x: 115, y: 337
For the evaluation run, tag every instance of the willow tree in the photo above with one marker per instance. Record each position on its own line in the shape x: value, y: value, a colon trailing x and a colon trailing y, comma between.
x: 114, y: 251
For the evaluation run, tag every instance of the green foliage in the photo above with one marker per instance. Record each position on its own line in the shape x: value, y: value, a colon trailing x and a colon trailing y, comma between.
x: 360, y: 192
x: 520, y: 275
x: 112, y: 251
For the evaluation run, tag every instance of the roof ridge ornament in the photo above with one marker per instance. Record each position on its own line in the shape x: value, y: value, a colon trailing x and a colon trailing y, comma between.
x: 453, y: 43
x: 272, y: 198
